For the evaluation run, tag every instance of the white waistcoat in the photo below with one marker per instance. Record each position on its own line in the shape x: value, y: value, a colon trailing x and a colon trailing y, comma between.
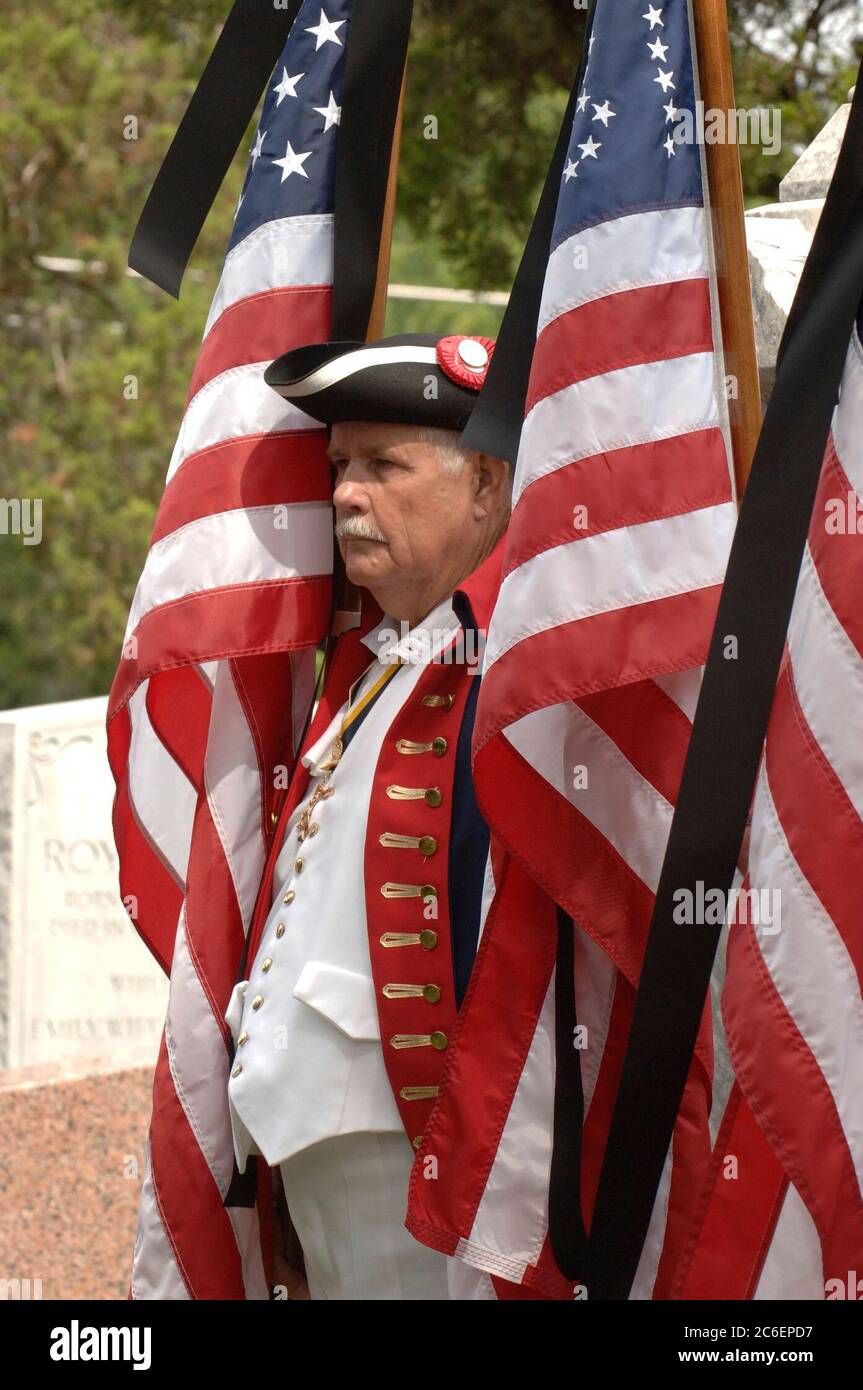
x: 311, y: 1066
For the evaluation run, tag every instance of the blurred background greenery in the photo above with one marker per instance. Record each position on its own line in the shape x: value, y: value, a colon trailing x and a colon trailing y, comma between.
x: 495, y: 74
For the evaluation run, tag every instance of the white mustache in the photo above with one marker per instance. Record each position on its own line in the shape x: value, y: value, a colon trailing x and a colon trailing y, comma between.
x: 360, y: 527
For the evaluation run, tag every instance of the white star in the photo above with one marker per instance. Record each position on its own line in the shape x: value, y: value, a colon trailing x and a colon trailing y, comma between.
x: 258, y: 147
x: 325, y: 31
x: 582, y: 101
x: 658, y: 50
x: 603, y: 113
x: 292, y: 163
x: 664, y: 80
x: 669, y: 145
x: 331, y: 113
x: 287, y: 86
x: 655, y: 17
x: 571, y: 170
x: 589, y: 149
x: 671, y: 112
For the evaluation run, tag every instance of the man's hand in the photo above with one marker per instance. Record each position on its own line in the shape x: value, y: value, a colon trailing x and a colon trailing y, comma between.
x: 288, y: 1264
x: 743, y: 860
x: 286, y: 1276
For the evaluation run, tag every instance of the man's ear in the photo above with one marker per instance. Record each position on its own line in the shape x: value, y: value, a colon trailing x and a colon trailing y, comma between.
x: 491, y: 481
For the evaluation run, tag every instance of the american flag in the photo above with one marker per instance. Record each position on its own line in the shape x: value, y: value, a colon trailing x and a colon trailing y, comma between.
x: 215, y: 683
x: 623, y: 515
x: 793, y: 1000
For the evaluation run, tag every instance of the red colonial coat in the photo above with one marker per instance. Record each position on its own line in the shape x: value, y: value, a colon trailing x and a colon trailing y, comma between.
x: 407, y: 939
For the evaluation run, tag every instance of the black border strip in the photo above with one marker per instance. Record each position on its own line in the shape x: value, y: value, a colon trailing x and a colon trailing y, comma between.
x: 207, y: 139
x: 566, y: 1231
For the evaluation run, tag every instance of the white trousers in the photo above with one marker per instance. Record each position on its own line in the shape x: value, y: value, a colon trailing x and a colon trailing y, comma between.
x: 347, y: 1198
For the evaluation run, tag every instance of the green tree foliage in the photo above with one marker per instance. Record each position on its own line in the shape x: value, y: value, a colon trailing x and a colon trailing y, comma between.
x: 95, y: 363
x: 496, y: 78
x: 799, y: 57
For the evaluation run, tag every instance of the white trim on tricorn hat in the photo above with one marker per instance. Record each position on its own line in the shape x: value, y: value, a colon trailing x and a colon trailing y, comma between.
x: 422, y: 379
x: 357, y: 361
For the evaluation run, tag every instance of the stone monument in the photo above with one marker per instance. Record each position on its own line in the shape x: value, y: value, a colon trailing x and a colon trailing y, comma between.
x: 779, y: 235
x: 76, y: 982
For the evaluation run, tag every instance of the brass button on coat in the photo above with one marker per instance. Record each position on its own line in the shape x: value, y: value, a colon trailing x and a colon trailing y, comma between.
x: 426, y: 938
x: 409, y: 890
x: 430, y: 993
x: 437, y: 1040
x: 419, y: 1092
x: 438, y: 701
x: 257, y: 1001
x: 299, y: 865
x: 426, y: 844
x: 280, y: 929
x: 243, y: 1038
x: 265, y: 964
x: 409, y: 746
x: 289, y: 896
x: 433, y: 796
x: 237, y: 1069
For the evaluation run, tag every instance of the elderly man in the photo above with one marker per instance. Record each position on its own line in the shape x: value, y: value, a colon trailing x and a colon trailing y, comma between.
x: 357, y: 973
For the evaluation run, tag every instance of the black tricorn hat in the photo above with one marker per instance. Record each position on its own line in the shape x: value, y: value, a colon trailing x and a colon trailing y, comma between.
x: 412, y: 379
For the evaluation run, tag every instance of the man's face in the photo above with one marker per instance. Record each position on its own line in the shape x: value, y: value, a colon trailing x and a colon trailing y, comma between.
x: 401, y: 518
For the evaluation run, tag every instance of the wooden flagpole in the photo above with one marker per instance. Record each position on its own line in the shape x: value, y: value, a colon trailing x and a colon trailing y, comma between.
x: 729, y: 237
x: 379, y: 304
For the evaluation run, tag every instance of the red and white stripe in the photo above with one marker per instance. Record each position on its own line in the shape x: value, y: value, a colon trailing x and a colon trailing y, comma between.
x: 591, y: 675
x: 208, y: 701
x: 793, y: 1000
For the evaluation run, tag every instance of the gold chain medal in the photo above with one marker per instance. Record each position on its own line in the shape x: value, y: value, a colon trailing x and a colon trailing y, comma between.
x: 304, y: 824
x: 336, y: 750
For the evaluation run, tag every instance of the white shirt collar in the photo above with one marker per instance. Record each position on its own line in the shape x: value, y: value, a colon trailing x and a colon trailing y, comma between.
x: 389, y: 641
x: 393, y: 639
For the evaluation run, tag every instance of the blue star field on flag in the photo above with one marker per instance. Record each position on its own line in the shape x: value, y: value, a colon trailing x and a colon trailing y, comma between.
x: 292, y: 158
x: 638, y: 83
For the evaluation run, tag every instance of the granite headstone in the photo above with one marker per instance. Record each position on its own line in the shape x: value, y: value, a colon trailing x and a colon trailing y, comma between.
x: 76, y: 982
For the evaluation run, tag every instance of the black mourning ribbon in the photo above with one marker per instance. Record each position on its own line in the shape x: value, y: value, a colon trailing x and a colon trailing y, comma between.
x: 218, y: 115
x: 207, y: 139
